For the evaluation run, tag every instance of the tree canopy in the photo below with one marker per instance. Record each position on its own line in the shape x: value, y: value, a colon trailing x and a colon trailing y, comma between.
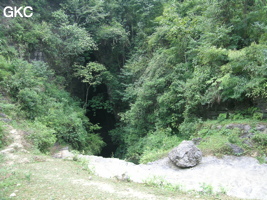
x: 164, y: 63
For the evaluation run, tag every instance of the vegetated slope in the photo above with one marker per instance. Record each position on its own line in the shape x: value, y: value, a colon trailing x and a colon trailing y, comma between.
x: 202, y: 59
x: 166, y: 68
x: 35, y: 98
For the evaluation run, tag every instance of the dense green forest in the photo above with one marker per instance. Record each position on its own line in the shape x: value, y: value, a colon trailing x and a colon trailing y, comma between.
x: 142, y: 75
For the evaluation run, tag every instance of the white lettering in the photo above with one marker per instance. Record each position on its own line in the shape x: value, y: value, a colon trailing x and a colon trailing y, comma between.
x: 10, y: 12
x: 14, y: 12
x: 17, y: 12
x: 24, y: 11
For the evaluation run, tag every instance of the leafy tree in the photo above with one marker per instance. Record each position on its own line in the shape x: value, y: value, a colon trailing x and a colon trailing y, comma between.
x: 92, y: 74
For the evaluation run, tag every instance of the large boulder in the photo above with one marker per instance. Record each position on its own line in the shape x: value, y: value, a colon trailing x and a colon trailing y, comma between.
x: 185, y: 155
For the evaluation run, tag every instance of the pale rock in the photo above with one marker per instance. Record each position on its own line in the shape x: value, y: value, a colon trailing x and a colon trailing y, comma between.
x: 13, y: 195
x: 186, y: 155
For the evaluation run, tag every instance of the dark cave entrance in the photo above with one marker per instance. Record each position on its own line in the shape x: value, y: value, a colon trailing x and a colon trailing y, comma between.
x: 104, y: 119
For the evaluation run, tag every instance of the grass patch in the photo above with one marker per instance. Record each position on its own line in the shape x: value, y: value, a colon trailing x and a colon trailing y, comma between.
x: 216, y: 138
x: 152, y: 155
x: 206, y: 192
x: 158, y: 181
x: 84, y: 163
x: 215, y: 145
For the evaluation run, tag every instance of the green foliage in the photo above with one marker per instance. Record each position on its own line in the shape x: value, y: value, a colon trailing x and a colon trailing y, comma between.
x: 11, y: 179
x: 157, y: 145
x: 188, y: 128
x: 164, y: 64
x: 149, y: 148
x: 196, y: 58
x: 92, y: 73
x: 262, y: 159
x: 207, y: 189
x: 260, y: 138
x: 257, y: 115
x: 215, y: 145
x: 222, y: 116
x: 41, y: 136
x: 30, y: 102
x: 6, y: 68
x: 234, y: 137
x: 2, y: 137
x: 59, y: 117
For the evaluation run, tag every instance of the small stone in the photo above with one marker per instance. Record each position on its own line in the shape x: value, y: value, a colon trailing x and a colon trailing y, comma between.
x: 7, y: 151
x: 219, y: 127
x: 260, y: 127
x: 247, y: 128
x: 13, y: 195
x: 24, y: 151
x: 64, y: 154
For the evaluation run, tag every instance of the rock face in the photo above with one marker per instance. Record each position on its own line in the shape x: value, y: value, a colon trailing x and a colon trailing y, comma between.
x: 185, y: 155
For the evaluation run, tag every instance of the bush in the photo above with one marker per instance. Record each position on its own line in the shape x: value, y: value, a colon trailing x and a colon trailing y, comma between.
x: 222, y: 117
x: 257, y: 116
x: 2, y: 137
x: 41, y: 136
x: 260, y: 138
x: 187, y: 129
x: 153, y: 147
x: 6, y: 68
x: 41, y: 98
x: 30, y: 102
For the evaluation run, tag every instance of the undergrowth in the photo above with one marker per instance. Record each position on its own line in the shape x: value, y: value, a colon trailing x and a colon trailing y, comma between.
x: 216, y: 137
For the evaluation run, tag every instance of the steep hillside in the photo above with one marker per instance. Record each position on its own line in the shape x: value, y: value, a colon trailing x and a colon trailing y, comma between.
x: 135, y: 78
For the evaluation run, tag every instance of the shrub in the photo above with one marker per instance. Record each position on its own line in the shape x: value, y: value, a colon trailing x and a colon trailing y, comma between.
x: 153, y: 147
x: 41, y: 98
x: 260, y: 138
x: 222, y: 117
x: 257, y: 116
x: 41, y: 136
x: 188, y: 129
x: 30, y: 102
x: 2, y: 136
x: 5, y: 68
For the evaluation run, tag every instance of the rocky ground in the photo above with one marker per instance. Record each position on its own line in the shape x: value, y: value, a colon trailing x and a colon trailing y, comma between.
x: 241, y: 177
